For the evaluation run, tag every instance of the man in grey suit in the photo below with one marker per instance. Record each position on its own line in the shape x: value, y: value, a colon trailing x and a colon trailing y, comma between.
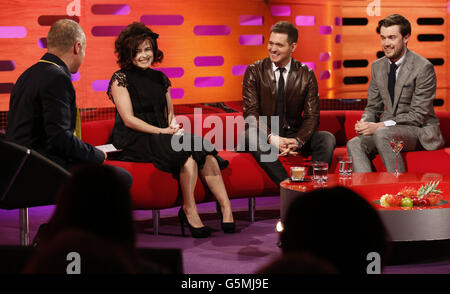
x: 399, y: 102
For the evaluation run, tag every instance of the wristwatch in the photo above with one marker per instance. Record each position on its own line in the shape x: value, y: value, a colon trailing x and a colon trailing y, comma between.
x: 300, y: 143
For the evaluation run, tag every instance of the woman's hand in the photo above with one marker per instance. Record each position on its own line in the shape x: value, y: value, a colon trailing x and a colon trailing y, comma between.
x: 169, y: 130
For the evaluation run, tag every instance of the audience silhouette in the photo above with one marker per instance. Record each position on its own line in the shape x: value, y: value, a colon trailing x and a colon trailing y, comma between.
x: 338, y: 226
x: 95, y: 256
x: 94, y: 202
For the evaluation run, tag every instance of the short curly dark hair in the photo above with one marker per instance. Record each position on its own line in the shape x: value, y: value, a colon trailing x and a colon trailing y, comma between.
x: 396, y: 19
x: 129, y: 40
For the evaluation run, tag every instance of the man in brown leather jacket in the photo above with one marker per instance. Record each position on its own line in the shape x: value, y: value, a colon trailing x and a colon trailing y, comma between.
x: 284, y: 107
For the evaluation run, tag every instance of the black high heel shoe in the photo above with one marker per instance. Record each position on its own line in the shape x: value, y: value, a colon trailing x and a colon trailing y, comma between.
x: 228, y: 228
x: 202, y: 232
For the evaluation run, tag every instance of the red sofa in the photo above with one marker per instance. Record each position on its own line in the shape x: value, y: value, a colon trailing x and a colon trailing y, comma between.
x: 244, y: 178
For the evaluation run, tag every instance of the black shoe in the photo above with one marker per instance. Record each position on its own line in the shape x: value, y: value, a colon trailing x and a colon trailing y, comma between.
x: 202, y: 232
x: 228, y: 228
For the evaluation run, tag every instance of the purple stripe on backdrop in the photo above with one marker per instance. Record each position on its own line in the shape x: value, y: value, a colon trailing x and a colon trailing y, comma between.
x: 338, y: 21
x: 305, y: 20
x: 202, y: 82
x: 280, y: 10
x: 111, y: 9
x: 337, y: 64
x: 251, y: 40
x: 162, y: 20
x: 325, y: 74
x: 48, y: 20
x: 338, y: 39
x: 7, y: 65
x: 324, y: 56
x: 326, y: 30
x: 250, y: 20
x: 209, y: 60
x: 76, y: 76
x: 239, y: 70
x: 172, y: 72
x: 6, y: 88
x: 12, y: 32
x: 106, y: 31
x: 42, y: 43
x: 100, y: 85
x: 212, y: 30
x: 176, y: 93
x: 311, y: 65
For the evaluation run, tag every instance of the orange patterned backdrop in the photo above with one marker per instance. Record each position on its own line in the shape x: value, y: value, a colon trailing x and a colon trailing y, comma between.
x: 208, y: 43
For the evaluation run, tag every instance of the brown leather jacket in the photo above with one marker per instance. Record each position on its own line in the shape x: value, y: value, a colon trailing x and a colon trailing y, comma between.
x: 301, y: 99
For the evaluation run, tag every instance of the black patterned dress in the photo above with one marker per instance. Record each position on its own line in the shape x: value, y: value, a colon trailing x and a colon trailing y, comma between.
x: 147, y: 89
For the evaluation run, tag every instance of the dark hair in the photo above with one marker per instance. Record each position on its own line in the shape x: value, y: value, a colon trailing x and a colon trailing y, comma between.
x: 129, y: 40
x: 396, y: 19
x: 285, y: 27
x: 336, y: 225
x: 94, y: 199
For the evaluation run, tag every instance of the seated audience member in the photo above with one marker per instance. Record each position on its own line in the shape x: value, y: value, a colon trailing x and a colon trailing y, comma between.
x: 399, y: 102
x: 336, y: 225
x: 95, y: 200
x: 279, y: 86
x: 96, y: 255
x: 297, y: 263
x: 146, y: 127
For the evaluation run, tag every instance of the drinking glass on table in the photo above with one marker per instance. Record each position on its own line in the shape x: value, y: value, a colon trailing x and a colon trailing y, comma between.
x: 320, y: 172
x: 397, y: 144
x: 345, y: 166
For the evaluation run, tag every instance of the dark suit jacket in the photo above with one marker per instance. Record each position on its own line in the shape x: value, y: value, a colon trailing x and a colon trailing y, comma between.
x: 415, y: 90
x: 259, y: 94
x: 42, y: 114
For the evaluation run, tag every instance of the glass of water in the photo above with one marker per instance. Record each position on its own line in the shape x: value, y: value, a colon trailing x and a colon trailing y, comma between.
x: 320, y: 172
x: 345, y: 166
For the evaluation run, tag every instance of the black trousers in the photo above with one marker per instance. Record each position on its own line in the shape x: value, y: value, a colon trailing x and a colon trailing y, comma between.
x: 321, y: 146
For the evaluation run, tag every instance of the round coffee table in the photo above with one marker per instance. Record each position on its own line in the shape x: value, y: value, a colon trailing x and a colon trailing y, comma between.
x: 416, y: 224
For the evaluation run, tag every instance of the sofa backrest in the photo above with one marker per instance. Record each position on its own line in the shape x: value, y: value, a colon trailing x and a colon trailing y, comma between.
x: 444, y: 120
x: 96, y: 132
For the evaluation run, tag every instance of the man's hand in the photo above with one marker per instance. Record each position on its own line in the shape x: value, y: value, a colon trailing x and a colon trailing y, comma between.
x: 286, y: 146
x: 367, y: 128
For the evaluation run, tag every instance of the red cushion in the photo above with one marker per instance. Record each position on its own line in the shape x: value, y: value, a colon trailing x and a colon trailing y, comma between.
x: 96, y: 132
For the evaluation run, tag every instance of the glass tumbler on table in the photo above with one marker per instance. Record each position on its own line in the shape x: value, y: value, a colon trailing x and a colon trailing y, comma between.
x: 320, y: 172
x: 345, y: 166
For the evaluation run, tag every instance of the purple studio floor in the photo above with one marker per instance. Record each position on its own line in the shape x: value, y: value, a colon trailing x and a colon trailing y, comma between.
x: 242, y: 253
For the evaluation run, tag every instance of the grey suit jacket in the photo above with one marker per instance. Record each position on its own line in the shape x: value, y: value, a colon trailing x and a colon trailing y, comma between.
x: 415, y: 89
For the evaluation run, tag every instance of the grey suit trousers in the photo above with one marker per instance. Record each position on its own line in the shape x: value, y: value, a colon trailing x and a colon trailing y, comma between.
x: 363, y: 148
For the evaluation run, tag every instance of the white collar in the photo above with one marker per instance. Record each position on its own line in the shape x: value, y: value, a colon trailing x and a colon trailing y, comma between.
x: 400, y: 61
x: 287, y: 67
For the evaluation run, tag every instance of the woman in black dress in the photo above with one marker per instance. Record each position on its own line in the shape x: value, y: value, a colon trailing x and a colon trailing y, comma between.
x: 145, y: 124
